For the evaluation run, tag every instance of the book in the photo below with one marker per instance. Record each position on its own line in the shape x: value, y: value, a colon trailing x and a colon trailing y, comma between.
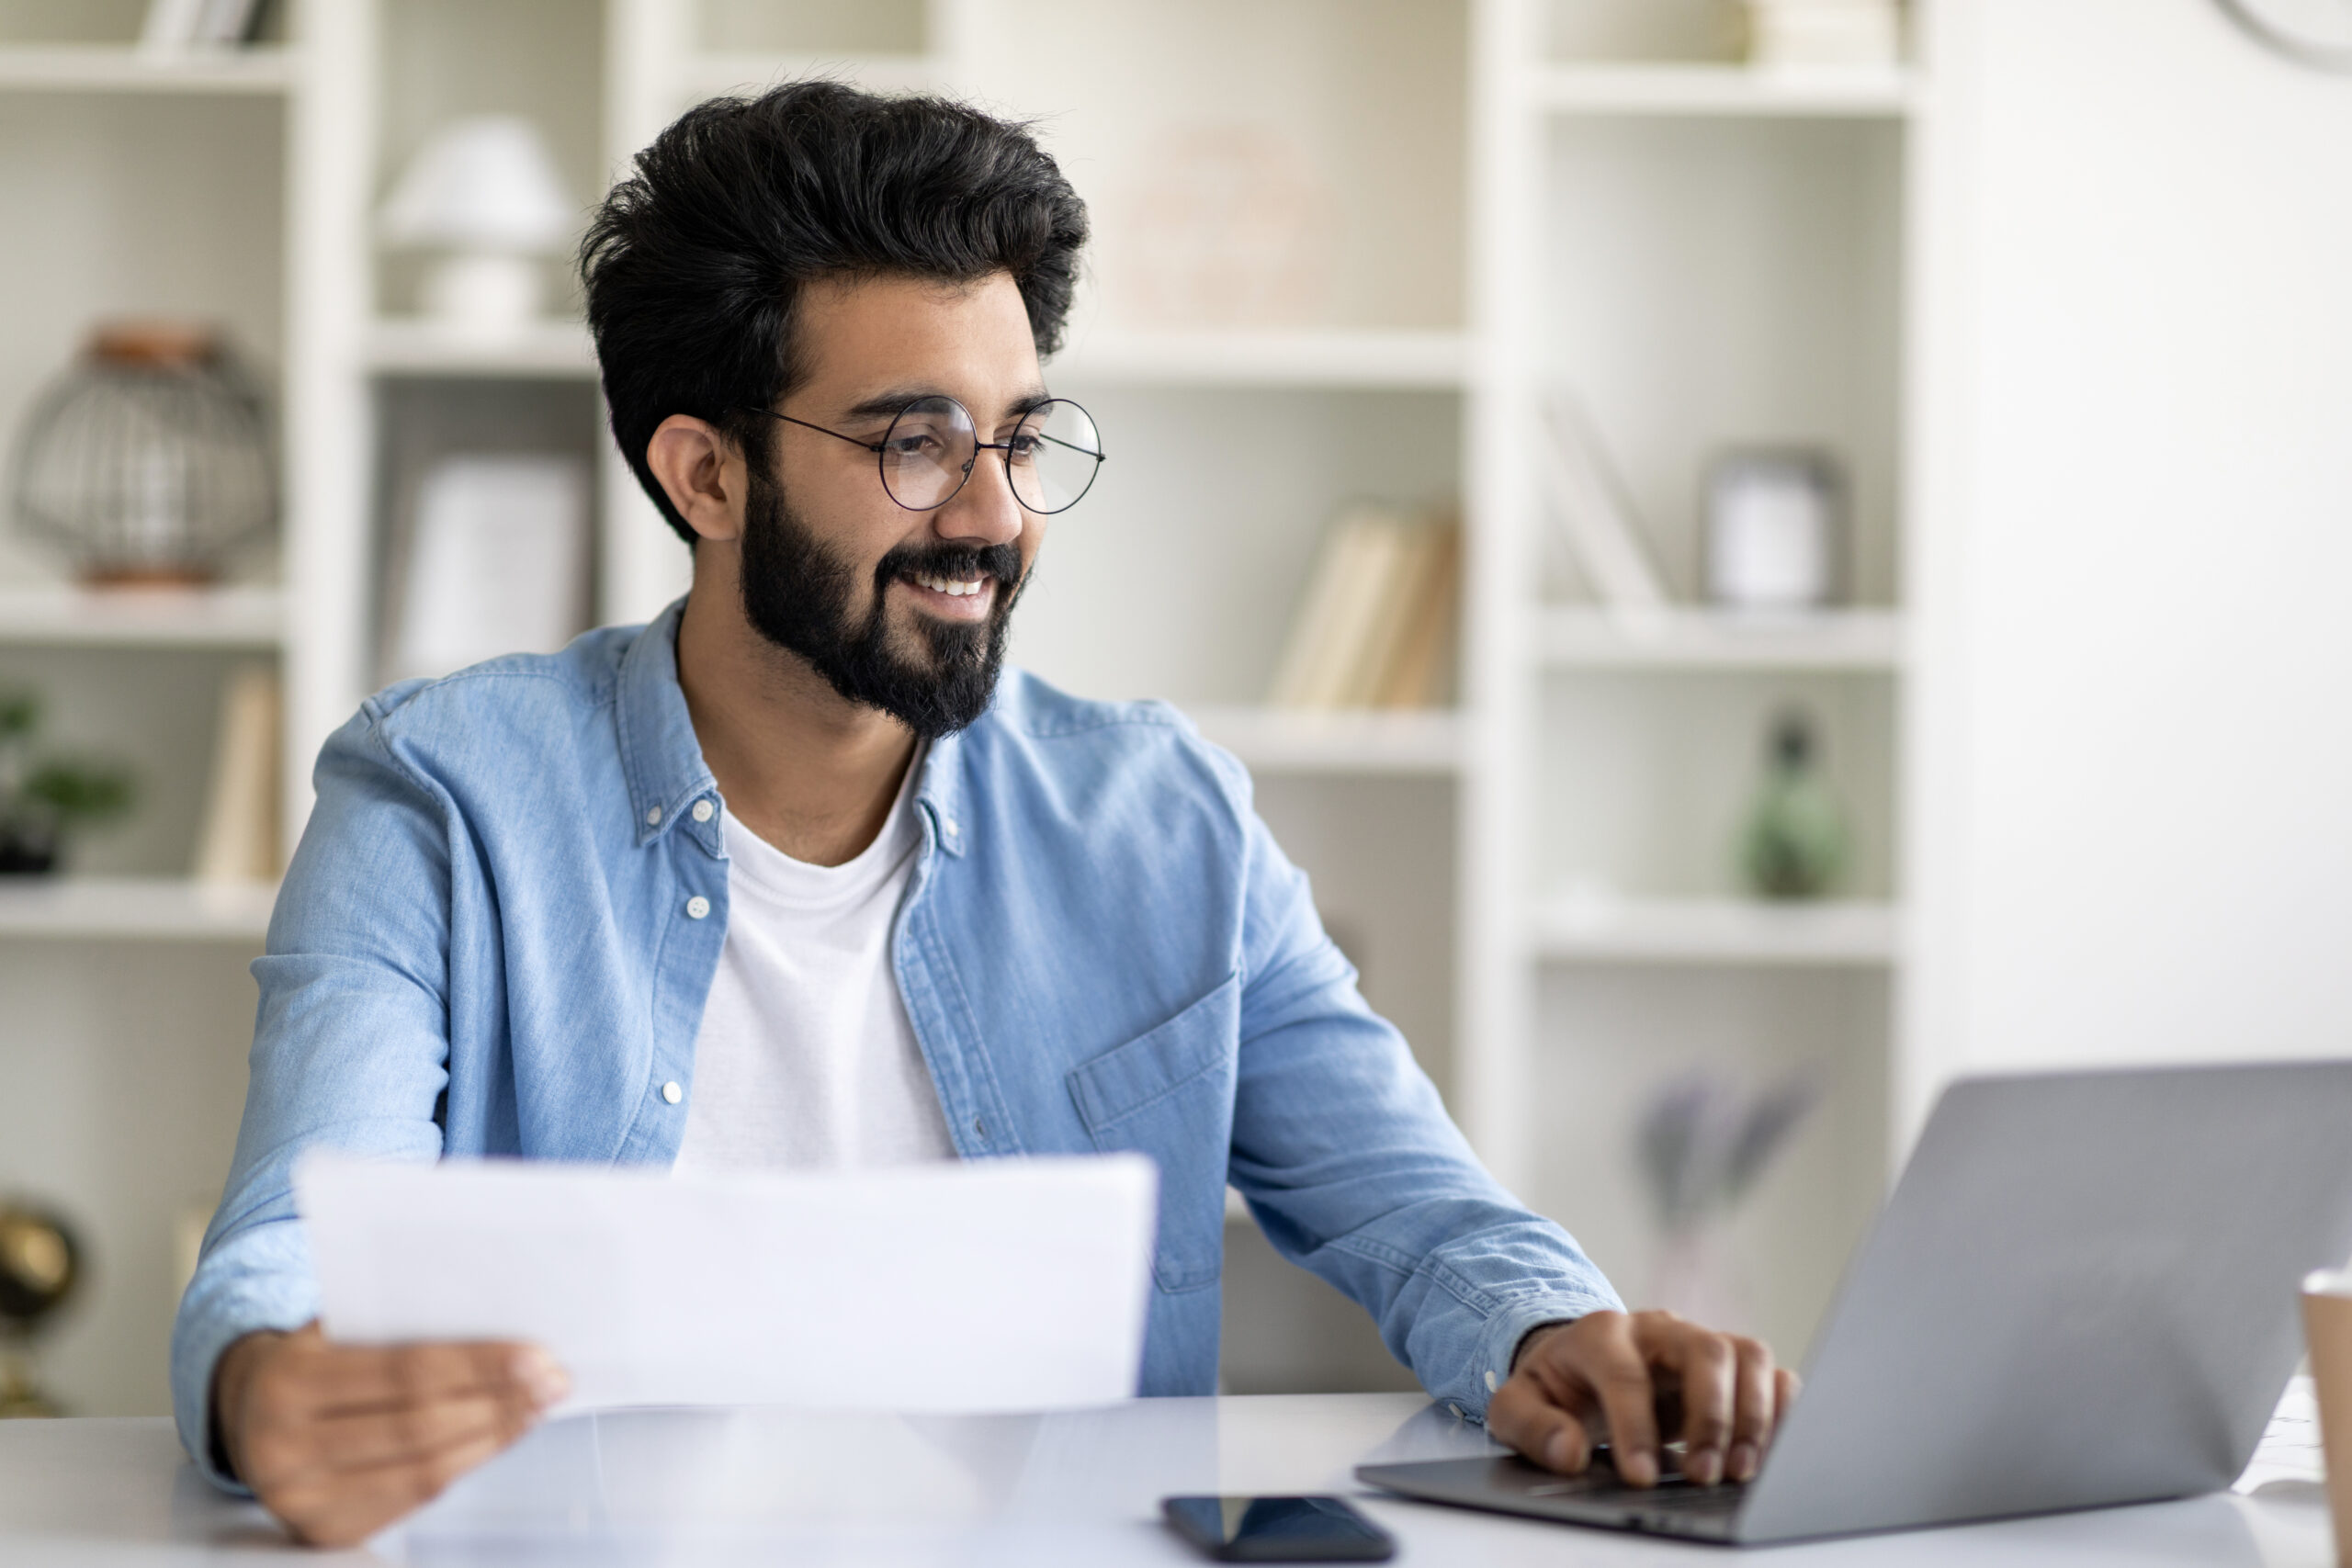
x: 1420, y: 663
x: 243, y: 823
x: 1595, y: 519
x: 172, y: 26
x: 1374, y: 624
x: 492, y: 559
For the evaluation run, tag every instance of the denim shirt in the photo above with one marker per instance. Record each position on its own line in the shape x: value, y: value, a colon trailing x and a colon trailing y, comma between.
x: 499, y: 930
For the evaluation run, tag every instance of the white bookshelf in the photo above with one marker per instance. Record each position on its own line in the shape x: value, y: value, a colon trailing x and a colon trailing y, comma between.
x: 1371, y: 743
x: 116, y: 68
x: 1577, y: 637
x: 1715, y: 90
x: 555, y: 349
x: 58, y: 615
x: 134, y: 909
x: 1488, y: 198
x: 1598, y: 928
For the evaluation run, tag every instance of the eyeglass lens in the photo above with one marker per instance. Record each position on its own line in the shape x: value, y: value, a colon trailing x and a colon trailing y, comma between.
x: 1050, y: 456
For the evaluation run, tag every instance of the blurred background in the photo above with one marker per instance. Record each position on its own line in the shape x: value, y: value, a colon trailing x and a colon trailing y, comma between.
x: 1762, y: 555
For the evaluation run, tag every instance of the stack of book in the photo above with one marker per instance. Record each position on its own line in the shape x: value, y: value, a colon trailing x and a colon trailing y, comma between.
x: 1374, y: 628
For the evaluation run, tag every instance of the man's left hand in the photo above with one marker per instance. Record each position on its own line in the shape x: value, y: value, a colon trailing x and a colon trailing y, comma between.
x: 1630, y: 1375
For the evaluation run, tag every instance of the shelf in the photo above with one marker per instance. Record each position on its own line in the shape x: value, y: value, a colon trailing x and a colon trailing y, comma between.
x: 544, y: 350
x: 712, y: 73
x: 142, y: 617
x: 134, y: 909
x: 114, y: 68
x: 1850, y: 92
x: 1714, y: 930
x: 1284, y: 740
x: 1584, y: 638
x: 1346, y: 360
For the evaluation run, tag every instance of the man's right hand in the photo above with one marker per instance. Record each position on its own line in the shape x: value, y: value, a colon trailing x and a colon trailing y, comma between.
x: 339, y: 1440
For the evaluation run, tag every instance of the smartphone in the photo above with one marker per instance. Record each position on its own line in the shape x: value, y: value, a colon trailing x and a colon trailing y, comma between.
x: 1279, y: 1529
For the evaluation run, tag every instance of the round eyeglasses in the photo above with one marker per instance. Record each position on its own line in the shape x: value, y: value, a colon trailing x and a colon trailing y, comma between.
x: 929, y: 452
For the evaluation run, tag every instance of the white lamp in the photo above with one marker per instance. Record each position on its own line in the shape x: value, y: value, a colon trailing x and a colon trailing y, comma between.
x: 484, y: 192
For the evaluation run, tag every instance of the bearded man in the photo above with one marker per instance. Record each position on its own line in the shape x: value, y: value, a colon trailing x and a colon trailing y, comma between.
x: 795, y: 876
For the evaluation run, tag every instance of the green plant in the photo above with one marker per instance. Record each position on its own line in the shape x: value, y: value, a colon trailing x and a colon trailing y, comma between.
x: 43, y: 800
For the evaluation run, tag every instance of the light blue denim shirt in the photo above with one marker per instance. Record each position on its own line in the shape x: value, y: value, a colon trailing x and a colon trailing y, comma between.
x: 500, y: 928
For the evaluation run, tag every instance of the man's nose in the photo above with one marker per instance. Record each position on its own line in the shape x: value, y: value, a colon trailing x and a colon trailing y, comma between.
x: 984, y: 512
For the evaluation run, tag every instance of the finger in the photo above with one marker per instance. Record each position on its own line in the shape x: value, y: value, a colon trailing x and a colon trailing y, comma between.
x: 1753, y: 1389
x: 1704, y: 1366
x: 1524, y: 1415
x: 346, y: 1507
x: 1614, y: 1366
x: 416, y: 1431
x: 350, y: 1378
x: 1786, y: 1386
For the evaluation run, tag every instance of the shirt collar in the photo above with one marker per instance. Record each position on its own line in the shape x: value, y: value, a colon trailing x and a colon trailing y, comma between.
x: 660, y: 755
x: 663, y: 759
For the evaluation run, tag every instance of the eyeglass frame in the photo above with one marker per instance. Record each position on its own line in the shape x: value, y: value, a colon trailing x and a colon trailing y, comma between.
x: 881, y: 449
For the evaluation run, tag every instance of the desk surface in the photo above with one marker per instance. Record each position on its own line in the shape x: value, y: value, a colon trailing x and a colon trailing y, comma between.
x: 682, y: 1488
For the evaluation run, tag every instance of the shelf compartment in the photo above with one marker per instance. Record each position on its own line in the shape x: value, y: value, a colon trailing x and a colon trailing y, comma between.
x: 65, y: 617
x: 1576, y: 637
x: 115, y: 68
x: 134, y: 909
x: 1821, y: 92
x: 1335, y: 358
x: 543, y: 351
x: 1584, y: 928
x: 1373, y: 741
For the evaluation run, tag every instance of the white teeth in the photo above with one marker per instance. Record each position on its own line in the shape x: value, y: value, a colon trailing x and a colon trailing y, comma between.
x: 953, y: 588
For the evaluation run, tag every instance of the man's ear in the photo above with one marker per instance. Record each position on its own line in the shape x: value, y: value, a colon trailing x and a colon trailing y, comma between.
x: 704, y: 474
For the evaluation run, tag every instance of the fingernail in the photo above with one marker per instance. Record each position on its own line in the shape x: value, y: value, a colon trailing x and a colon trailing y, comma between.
x: 1744, y: 1459
x: 1638, y: 1469
x: 1558, y: 1451
x: 542, y: 1377
x: 1702, y: 1467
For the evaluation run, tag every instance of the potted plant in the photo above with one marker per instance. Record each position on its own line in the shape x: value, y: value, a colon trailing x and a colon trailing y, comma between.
x: 45, y: 799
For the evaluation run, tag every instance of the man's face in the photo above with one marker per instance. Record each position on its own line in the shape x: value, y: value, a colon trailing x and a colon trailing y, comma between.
x: 902, y: 611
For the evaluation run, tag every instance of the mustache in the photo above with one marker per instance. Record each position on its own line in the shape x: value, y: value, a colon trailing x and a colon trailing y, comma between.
x: 959, y: 562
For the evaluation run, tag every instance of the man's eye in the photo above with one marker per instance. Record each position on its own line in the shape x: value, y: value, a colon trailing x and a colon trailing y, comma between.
x: 917, y: 444
x: 1023, y: 448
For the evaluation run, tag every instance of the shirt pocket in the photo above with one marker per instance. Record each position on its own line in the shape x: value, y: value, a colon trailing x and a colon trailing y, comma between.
x: 1169, y: 1094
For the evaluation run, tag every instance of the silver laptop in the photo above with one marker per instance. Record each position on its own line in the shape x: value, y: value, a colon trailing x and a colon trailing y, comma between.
x: 2083, y: 1292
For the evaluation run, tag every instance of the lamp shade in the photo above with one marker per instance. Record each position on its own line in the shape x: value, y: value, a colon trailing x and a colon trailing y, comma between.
x: 481, y: 184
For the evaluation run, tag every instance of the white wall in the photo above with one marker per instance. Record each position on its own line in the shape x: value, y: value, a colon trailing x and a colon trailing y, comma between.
x: 2132, y: 835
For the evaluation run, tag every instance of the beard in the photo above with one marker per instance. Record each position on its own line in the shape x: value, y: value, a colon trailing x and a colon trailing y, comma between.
x: 798, y: 593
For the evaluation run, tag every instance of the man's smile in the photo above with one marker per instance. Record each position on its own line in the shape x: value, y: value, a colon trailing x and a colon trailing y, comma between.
x: 951, y: 598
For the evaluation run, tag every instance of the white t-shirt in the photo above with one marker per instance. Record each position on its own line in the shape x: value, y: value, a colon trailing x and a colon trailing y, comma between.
x: 806, y: 1059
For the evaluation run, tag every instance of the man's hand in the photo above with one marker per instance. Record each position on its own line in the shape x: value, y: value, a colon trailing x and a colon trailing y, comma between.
x: 339, y: 1440
x: 1626, y: 1376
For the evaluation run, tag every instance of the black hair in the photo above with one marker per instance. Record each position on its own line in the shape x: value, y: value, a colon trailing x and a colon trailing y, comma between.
x: 693, y: 263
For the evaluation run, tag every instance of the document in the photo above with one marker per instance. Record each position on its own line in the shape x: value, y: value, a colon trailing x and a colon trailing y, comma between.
x: 993, y: 1285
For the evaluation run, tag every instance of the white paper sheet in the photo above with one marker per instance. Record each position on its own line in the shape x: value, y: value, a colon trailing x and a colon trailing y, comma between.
x: 996, y: 1285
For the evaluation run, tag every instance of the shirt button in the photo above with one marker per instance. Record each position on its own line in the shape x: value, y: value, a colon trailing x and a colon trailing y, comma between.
x: 702, y: 811
x: 697, y: 906
x: 1490, y: 1383
x: 672, y: 1093
x: 1457, y: 1411
x: 654, y: 817
x: 948, y: 827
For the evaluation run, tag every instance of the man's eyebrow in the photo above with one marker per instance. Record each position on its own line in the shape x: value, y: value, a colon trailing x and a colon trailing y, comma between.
x: 883, y: 404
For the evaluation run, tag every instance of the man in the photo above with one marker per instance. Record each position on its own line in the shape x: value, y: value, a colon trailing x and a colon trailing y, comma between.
x: 789, y: 878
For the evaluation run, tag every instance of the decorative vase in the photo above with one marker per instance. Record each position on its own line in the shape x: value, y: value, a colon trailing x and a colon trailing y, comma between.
x: 148, y: 462
x: 1795, y: 844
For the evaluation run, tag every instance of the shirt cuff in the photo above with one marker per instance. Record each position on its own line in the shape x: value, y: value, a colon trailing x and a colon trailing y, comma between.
x: 1510, y: 1325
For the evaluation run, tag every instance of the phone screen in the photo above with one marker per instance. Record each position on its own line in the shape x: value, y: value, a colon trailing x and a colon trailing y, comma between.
x: 1279, y: 1529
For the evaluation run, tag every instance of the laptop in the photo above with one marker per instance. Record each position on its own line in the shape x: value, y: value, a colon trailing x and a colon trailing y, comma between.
x: 2083, y: 1292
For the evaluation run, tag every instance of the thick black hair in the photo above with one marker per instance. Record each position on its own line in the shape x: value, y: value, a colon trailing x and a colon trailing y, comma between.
x: 693, y: 263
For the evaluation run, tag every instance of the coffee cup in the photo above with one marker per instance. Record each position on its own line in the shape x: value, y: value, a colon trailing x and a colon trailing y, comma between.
x: 2327, y: 1331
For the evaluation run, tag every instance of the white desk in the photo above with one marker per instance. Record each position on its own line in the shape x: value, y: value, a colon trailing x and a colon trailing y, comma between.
x: 781, y: 1491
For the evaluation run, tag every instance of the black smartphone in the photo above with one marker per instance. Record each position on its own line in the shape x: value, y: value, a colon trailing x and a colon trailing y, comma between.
x: 1279, y: 1529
